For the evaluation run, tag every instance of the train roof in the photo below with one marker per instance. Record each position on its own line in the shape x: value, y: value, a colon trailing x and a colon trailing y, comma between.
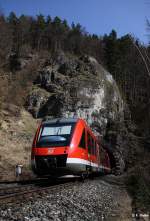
x: 59, y: 120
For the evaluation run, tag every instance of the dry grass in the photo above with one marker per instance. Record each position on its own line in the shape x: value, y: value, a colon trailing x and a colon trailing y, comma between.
x: 16, y: 135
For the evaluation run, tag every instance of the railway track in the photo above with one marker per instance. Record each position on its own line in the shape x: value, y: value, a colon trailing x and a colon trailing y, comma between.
x: 17, y: 194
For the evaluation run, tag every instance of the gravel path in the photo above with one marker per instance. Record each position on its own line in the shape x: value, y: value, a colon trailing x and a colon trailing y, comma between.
x: 87, y: 201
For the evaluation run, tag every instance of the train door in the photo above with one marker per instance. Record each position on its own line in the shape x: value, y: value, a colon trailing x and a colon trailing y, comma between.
x: 83, y: 145
x: 89, y: 145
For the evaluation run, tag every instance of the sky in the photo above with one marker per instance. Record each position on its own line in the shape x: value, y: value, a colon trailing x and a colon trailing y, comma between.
x: 97, y: 16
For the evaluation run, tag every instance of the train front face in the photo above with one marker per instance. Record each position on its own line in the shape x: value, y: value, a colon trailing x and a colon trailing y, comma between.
x: 50, y: 147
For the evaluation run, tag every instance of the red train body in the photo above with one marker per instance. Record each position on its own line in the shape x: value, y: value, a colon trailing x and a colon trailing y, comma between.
x: 67, y: 146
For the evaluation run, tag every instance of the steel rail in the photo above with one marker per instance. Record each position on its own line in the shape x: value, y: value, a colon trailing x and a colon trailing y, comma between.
x: 14, y: 197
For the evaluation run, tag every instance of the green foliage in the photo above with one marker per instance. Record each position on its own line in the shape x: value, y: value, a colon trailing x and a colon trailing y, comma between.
x: 111, y: 51
x: 41, y: 22
x: 12, y: 18
x: 40, y: 33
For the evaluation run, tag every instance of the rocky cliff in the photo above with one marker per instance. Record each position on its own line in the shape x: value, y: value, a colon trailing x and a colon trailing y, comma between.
x: 76, y: 87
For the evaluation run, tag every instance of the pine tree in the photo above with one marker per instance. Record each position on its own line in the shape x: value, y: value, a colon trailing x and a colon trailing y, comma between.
x: 15, y: 31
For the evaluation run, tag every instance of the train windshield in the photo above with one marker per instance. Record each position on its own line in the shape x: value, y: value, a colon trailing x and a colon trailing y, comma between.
x: 55, y: 135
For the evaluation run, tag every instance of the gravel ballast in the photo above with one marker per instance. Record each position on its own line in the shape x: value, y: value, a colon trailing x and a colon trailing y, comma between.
x: 91, y: 201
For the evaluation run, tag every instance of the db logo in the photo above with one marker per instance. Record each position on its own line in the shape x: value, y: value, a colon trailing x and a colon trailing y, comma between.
x: 51, y: 150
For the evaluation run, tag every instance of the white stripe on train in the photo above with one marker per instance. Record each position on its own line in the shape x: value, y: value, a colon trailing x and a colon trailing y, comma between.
x: 85, y: 162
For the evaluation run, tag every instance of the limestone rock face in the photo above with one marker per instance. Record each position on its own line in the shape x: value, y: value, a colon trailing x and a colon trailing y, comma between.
x: 35, y: 100
x: 76, y: 87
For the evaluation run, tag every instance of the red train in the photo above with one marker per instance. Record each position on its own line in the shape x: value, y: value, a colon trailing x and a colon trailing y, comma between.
x: 67, y: 146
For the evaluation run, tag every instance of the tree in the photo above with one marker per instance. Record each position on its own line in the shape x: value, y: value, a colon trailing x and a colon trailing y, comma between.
x: 15, y: 31
x: 59, y: 32
x: 111, y: 50
x: 40, y: 28
x: 25, y: 38
x: 75, y: 38
x: 5, y: 39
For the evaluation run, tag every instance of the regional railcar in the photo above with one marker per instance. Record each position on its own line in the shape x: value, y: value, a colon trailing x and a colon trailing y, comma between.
x: 67, y: 146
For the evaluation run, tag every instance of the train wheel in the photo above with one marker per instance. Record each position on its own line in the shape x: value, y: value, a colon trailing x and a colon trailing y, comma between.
x: 91, y: 176
x: 82, y: 177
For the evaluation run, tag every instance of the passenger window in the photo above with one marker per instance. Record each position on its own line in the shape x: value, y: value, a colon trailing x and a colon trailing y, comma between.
x: 89, y: 143
x: 95, y: 148
x: 82, y: 141
x: 102, y: 155
x: 92, y: 145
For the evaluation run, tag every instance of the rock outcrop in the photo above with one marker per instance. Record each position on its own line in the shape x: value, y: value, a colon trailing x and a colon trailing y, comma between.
x: 76, y: 87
